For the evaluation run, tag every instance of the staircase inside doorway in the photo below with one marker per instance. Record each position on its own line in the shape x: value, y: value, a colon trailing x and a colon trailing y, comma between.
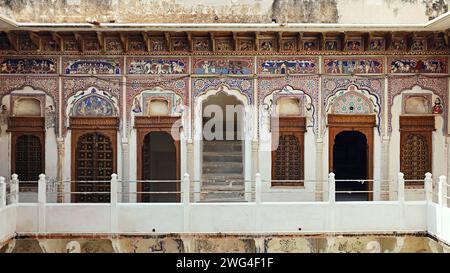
x: 223, y: 171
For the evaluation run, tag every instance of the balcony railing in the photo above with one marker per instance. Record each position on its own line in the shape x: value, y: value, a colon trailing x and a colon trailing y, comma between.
x: 267, y: 209
x: 188, y: 191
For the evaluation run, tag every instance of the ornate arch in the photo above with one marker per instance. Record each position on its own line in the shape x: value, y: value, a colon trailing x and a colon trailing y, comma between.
x: 305, y: 85
x: 244, y: 86
x: 93, y: 105
x: 437, y: 85
x: 372, y: 89
x: 45, y: 84
x: 138, y: 85
x: 75, y: 86
x: 352, y: 102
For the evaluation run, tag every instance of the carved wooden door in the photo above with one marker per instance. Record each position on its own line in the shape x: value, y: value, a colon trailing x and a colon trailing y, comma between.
x: 416, y: 148
x: 288, y: 159
x: 28, y: 158
x: 94, y: 163
x: 414, y: 154
x: 288, y: 154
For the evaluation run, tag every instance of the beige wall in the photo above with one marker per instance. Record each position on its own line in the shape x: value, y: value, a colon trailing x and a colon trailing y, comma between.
x: 226, y: 11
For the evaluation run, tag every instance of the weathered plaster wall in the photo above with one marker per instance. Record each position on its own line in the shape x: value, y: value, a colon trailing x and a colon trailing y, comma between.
x: 228, y: 11
x: 230, y: 244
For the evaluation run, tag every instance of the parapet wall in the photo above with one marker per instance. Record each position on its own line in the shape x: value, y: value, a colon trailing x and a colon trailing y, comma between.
x: 227, y: 11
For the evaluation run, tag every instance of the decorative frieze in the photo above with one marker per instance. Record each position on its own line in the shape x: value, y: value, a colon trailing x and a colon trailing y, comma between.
x: 97, y: 66
x: 287, y: 65
x: 408, y: 64
x: 222, y: 66
x: 157, y: 66
x: 17, y: 65
x: 340, y: 65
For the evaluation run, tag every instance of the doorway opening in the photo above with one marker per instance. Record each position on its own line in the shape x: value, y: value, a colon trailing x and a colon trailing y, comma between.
x: 159, y: 164
x: 222, y: 149
x: 350, y: 161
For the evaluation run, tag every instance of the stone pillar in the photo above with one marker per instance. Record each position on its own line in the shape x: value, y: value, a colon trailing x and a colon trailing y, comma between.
x: 255, y: 163
x: 60, y: 170
x: 125, y: 185
x: 190, y: 164
x: 319, y: 170
x: 385, y: 184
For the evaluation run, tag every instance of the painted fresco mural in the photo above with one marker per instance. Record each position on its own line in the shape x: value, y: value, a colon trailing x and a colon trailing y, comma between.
x: 288, y: 66
x: 353, y: 66
x: 94, y: 66
x: 223, y: 44
x: 377, y: 44
x: 354, y: 44
x: 93, y: 105
x: 28, y: 66
x: 289, y: 45
x: 220, y: 66
x: 352, y: 103
x: 418, y: 65
x: 158, y: 66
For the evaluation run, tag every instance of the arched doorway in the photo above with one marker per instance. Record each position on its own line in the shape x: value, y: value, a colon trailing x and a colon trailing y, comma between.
x: 222, y: 171
x: 94, y: 162
x: 350, y: 160
x: 351, y: 148
x: 159, y: 164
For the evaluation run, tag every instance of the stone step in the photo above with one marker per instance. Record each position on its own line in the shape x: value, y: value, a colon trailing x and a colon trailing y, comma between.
x: 222, y: 188
x: 222, y: 146
x: 235, y: 196
x: 221, y: 177
x: 222, y: 157
x: 223, y: 182
x: 228, y: 168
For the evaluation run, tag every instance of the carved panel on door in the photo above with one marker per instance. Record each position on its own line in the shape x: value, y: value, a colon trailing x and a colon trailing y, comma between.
x: 94, y: 162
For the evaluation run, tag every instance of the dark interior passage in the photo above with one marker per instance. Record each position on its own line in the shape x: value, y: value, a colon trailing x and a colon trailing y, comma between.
x: 159, y: 163
x: 350, y: 162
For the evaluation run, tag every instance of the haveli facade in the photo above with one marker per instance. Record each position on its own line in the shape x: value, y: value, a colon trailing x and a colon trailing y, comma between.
x: 79, y: 106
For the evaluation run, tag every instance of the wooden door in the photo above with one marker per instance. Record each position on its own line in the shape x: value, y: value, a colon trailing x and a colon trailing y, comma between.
x: 363, y: 124
x: 94, y: 158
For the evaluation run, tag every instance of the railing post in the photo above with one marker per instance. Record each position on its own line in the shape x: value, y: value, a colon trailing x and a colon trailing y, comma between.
x: 42, y: 189
x: 428, y: 184
x: 186, y: 194
x: 114, y: 188
x: 185, y: 189
x: 114, y: 221
x: 443, y: 191
x: 42, y: 200
x: 258, y: 188
x: 331, y: 188
x: 2, y: 192
x: 401, y: 187
x: 14, y: 189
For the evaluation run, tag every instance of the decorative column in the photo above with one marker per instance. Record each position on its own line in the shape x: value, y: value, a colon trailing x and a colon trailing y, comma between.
x: 60, y: 170
x: 190, y: 163
x: 319, y: 170
x: 255, y: 162
x: 125, y: 188
x: 385, y: 186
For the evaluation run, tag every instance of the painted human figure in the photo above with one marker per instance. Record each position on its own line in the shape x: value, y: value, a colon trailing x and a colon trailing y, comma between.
x: 50, y: 117
x: 3, y: 116
x: 437, y: 108
x: 137, y: 106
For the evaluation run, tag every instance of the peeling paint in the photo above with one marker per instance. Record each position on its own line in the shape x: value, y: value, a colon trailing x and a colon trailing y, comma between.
x: 214, y: 243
